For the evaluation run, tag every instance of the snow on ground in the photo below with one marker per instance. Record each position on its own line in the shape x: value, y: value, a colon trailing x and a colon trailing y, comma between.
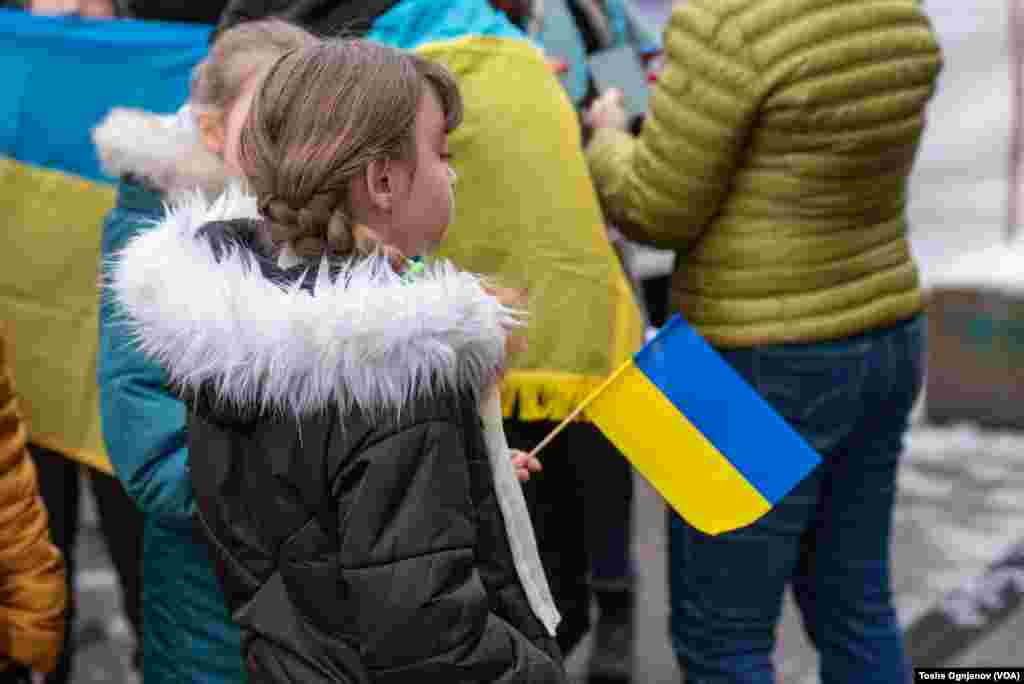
x: 997, y: 267
x: 960, y: 506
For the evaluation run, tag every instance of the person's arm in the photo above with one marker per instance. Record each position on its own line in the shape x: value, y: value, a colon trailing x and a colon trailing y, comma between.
x: 143, y: 422
x: 32, y: 586
x: 665, y: 186
x: 145, y: 435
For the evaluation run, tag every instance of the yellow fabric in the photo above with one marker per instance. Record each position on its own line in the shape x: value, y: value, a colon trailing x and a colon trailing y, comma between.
x: 32, y: 590
x: 49, y: 297
x: 526, y: 213
x: 674, y: 456
x: 774, y: 161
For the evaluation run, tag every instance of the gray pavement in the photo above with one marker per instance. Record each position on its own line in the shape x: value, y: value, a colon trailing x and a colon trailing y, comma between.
x: 105, y: 640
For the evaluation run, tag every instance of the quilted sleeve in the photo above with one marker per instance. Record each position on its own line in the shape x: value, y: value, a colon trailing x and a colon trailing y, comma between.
x: 32, y: 590
x: 664, y: 187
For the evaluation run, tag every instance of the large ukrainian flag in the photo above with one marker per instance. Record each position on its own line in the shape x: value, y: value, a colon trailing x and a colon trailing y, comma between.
x: 711, y: 446
x: 60, y: 76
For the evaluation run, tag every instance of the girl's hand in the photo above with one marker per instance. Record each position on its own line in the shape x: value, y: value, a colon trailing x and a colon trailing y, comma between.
x: 524, y: 464
x: 607, y: 111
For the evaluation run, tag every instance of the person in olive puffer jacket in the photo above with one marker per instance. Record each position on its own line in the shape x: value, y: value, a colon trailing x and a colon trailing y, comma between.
x: 774, y: 159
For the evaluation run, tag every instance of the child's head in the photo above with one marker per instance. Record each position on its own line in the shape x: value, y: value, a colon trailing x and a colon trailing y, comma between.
x: 224, y: 82
x: 349, y: 133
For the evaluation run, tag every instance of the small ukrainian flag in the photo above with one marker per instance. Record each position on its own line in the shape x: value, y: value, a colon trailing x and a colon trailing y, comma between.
x: 711, y: 446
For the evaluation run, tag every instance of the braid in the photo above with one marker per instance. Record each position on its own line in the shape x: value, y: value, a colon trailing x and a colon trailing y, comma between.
x: 317, y: 228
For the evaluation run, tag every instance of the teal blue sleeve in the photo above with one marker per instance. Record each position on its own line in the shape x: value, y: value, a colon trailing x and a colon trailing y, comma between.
x: 143, y: 423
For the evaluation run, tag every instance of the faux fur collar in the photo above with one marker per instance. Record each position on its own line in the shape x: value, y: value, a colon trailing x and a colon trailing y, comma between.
x: 364, y: 337
x: 164, y: 151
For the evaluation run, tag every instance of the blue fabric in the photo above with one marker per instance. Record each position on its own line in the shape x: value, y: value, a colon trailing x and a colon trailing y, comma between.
x: 412, y: 23
x: 189, y: 635
x: 829, y: 537
x: 63, y: 74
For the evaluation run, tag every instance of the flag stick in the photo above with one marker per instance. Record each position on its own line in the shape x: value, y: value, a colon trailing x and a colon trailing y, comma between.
x: 579, y: 409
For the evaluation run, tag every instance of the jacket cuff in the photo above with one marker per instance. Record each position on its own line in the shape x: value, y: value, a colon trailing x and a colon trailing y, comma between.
x: 608, y: 155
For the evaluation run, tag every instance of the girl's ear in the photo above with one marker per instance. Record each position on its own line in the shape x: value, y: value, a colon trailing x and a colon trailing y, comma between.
x: 212, y: 131
x: 380, y: 184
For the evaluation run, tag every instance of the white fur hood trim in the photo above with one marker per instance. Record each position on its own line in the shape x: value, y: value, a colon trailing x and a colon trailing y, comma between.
x: 164, y: 150
x: 365, y: 339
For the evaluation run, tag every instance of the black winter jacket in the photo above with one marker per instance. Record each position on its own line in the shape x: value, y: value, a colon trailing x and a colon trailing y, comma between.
x: 337, y: 455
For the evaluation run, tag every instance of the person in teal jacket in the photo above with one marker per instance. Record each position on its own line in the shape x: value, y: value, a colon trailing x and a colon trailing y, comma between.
x: 189, y: 637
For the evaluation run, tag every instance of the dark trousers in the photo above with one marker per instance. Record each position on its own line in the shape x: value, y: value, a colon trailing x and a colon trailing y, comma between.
x: 829, y: 538
x: 18, y: 674
x: 121, y: 526
x: 581, y: 507
x: 657, y: 299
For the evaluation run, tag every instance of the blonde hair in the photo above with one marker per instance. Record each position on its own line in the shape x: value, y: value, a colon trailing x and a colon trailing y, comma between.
x: 238, y: 55
x: 320, y: 116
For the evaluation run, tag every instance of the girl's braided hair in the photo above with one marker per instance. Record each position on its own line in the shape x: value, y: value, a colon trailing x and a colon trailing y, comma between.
x: 321, y: 115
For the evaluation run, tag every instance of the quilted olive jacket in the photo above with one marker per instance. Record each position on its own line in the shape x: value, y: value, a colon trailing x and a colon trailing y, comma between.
x: 775, y: 161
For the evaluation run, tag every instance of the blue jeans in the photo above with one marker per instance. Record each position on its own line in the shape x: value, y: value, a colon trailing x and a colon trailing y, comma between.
x: 829, y: 537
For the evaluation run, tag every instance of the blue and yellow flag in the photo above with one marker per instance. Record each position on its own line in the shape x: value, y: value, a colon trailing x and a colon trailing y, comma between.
x: 61, y: 75
x: 711, y: 446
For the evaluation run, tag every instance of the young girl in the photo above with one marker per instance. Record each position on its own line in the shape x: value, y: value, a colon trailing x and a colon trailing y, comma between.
x: 339, y: 462
x: 189, y: 635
